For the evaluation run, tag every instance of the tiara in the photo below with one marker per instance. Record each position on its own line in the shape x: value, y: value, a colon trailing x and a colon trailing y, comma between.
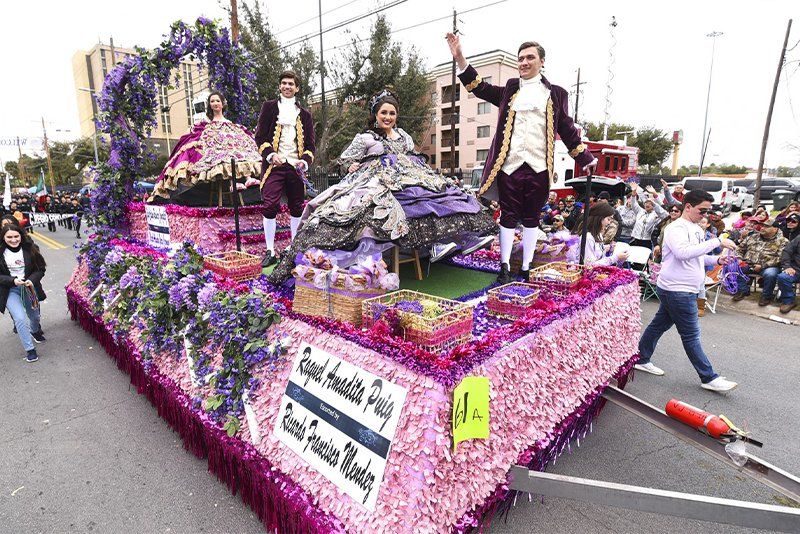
x: 373, y: 102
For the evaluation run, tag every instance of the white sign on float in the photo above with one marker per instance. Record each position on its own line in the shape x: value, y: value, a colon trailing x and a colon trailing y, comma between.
x: 157, y: 226
x: 340, y: 419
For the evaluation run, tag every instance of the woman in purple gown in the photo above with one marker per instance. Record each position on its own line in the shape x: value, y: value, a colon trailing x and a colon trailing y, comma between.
x: 202, y: 158
x: 389, y: 195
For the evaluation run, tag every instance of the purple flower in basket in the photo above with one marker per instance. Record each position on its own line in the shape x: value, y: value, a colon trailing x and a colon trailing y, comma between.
x: 409, y: 306
x: 516, y: 291
x: 378, y: 310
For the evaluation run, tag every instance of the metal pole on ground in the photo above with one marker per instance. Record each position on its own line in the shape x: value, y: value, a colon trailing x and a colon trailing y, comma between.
x: 585, y: 216
x: 235, y: 205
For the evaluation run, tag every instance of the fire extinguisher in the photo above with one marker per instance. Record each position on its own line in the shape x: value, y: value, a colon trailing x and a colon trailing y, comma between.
x: 697, y: 418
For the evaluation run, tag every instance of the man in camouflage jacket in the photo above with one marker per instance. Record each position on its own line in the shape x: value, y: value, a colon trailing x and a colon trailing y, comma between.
x: 761, y: 254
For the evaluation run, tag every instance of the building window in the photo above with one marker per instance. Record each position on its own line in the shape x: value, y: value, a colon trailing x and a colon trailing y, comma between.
x: 433, y: 139
x: 616, y: 163
x: 163, y: 102
x: 483, y: 131
x: 481, y: 155
x: 103, y: 63
x: 447, y: 93
x: 188, y: 87
x: 484, y: 108
x: 433, y: 159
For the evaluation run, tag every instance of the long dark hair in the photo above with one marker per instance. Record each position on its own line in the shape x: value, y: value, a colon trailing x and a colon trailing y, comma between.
x: 385, y: 96
x: 209, y: 111
x: 26, y: 243
x: 594, y: 223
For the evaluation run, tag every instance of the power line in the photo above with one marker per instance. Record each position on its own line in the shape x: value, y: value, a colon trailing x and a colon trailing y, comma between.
x: 339, y: 25
x: 417, y: 25
x: 315, y: 18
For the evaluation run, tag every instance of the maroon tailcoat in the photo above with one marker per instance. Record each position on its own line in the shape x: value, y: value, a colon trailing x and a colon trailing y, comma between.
x: 557, y: 121
x: 268, y: 135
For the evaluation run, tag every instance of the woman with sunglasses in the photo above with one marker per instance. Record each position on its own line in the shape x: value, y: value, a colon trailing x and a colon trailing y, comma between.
x: 21, y: 270
x: 674, y: 214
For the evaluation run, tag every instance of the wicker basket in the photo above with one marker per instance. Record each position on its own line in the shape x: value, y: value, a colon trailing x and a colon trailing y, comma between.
x: 502, y: 303
x: 556, y: 279
x: 333, y: 301
x: 556, y: 253
x: 233, y: 264
x: 437, y: 334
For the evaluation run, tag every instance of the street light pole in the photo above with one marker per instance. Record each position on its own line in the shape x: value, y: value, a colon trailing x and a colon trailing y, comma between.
x: 94, y: 134
x: 713, y: 36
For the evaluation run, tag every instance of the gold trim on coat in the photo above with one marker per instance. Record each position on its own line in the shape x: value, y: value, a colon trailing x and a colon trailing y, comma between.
x: 276, y: 139
x: 300, y: 138
x: 310, y: 155
x: 577, y: 150
x: 473, y: 84
x: 551, y: 140
x: 501, y: 156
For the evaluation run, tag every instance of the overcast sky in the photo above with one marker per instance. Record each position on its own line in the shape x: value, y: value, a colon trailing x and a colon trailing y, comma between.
x: 661, y: 60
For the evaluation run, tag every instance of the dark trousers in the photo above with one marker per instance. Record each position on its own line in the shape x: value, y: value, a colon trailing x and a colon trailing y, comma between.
x: 521, y: 196
x: 283, y: 178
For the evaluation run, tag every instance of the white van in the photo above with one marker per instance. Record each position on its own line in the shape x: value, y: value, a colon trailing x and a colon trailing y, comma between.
x: 720, y: 188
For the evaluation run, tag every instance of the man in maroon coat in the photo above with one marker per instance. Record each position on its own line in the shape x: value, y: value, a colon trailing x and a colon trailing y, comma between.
x: 285, y: 138
x: 519, y: 166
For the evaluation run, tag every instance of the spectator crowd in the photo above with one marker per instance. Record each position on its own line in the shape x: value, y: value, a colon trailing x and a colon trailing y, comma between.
x: 69, y: 208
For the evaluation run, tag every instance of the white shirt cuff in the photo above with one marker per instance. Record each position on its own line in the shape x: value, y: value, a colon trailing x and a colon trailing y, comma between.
x: 461, y: 71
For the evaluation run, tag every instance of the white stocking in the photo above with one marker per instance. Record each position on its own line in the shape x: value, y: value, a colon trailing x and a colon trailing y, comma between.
x: 506, y: 244
x: 269, y: 233
x: 294, y: 224
x: 529, y: 236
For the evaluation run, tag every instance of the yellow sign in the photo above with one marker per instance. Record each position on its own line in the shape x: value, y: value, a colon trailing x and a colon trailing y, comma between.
x: 471, y: 409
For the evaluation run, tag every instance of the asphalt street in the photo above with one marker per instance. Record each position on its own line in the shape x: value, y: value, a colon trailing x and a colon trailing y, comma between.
x: 81, y: 451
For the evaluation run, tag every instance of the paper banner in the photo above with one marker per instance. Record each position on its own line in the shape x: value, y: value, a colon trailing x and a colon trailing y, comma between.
x: 471, y: 409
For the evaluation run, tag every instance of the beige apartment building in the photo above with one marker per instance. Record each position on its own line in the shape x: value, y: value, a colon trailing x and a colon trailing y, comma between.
x: 175, y: 111
x: 476, y: 120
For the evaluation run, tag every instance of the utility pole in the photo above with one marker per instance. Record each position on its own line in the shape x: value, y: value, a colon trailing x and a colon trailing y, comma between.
x: 577, y: 95
x: 324, y: 120
x: 113, y: 54
x: 49, y: 161
x: 757, y: 195
x: 453, y: 105
x: 21, y: 164
x: 234, y: 22
x: 704, y: 142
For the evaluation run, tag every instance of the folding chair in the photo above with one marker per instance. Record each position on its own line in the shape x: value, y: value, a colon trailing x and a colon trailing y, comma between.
x: 713, y: 283
x: 640, y: 263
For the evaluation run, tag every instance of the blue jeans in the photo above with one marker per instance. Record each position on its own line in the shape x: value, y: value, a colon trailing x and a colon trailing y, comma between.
x: 25, y: 317
x: 770, y: 275
x: 677, y: 308
x: 786, y: 284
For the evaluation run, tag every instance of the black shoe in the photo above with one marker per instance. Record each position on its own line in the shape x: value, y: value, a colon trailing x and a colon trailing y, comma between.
x: 269, y: 259
x: 505, y: 275
x: 741, y: 295
x: 525, y: 274
x: 38, y: 337
x: 31, y: 356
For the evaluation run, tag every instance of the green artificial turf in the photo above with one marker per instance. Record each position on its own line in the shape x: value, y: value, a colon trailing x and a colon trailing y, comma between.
x: 445, y: 280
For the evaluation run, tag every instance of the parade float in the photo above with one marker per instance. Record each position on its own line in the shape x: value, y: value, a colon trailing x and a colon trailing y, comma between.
x: 336, y: 403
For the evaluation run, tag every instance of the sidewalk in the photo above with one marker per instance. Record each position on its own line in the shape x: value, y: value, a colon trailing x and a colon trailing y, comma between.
x: 750, y: 306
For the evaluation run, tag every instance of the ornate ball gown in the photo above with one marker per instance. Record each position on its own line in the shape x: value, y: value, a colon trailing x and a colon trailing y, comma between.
x: 202, y: 160
x: 392, y: 197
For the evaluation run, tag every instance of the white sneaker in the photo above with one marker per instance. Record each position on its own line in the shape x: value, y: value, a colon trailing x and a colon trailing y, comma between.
x: 649, y: 368
x: 476, y: 243
x: 441, y: 250
x: 719, y: 384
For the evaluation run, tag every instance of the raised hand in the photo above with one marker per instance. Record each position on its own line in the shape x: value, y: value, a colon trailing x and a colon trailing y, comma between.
x: 454, y: 43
